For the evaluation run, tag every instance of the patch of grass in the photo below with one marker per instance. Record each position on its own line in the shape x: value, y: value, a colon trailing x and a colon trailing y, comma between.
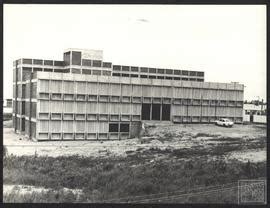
x: 50, y: 196
x: 223, y: 149
x: 147, y: 140
x: 162, y: 137
x: 130, y: 152
x: 158, y: 150
x: 106, y: 178
x: 227, y: 139
x: 205, y: 135
x: 216, y: 150
x: 189, y: 152
x: 139, y: 149
x: 169, y: 136
x: 260, y: 126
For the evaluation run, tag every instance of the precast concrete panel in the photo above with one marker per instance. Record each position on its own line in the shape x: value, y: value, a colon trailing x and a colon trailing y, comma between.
x: 136, y: 90
x: 56, y: 106
x: 56, y: 86
x: 92, y: 88
x: 92, y: 126
x: 68, y: 106
x: 68, y: 87
x: 115, y: 89
x: 68, y: 127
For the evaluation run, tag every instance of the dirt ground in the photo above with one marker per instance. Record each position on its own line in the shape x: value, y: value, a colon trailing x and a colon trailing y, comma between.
x: 157, y: 135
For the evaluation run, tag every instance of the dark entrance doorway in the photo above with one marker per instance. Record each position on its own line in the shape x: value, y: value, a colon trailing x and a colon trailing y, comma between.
x: 166, y: 112
x: 251, y: 117
x: 146, y: 111
x: 156, y: 112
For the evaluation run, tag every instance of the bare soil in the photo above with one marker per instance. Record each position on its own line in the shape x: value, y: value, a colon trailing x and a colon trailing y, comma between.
x: 161, y: 136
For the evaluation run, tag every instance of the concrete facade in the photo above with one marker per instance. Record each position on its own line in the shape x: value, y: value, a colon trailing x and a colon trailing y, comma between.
x: 72, y: 101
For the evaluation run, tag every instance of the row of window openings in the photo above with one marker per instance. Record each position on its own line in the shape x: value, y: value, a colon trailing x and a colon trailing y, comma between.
x: 98, y: 72
x: 98, y: 63
x: 85, y: 62
x: 40, y: 62
x: 255, y: 112
x: 93, y: 64
x: 90, y: 117
x: 115, y: 117
x: 157, y: 77
x: 146, y: 115
x: 129, y: 98
x: 80, y: 136
x: 159, y: 71
x: 118, y: 127
x: 204, y: 118
x: 105, y: 98
x: 108, y: 73
x: 73, y: 70
x: 77, y: 60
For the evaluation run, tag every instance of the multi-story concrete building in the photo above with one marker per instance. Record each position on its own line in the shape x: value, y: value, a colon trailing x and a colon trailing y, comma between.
x: 83, y: 97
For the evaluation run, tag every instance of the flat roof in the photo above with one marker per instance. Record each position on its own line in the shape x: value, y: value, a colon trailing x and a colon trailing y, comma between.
x: 137, y: 81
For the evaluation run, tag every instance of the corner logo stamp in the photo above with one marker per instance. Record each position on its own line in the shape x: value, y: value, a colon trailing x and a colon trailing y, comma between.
x: 252, y: 192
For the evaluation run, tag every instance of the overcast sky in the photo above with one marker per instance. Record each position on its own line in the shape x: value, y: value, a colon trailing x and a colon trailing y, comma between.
x: 228, y: 43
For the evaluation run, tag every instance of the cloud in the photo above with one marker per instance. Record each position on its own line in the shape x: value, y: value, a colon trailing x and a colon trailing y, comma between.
x: 142, y: 20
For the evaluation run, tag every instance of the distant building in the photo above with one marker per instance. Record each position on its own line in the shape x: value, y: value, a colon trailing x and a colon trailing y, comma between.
x: 255, y: 112
x: 7, y: 106
x: 84, y: 97
x: 9, y: 103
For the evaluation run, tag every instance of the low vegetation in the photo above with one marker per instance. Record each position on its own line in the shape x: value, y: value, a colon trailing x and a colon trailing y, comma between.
x: 52, y: 196
x: 205, y: 135
x: 103, y: 179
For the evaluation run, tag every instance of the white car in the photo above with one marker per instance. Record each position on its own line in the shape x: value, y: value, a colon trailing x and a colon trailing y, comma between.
x: 224, y: 122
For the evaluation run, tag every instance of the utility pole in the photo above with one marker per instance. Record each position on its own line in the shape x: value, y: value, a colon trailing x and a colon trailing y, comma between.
x: 201, y: 109
x: 258, y: 100
x: 216, y: 109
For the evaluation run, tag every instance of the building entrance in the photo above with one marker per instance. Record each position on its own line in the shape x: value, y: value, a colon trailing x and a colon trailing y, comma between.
x: 146, y: 109
x: 156, y: 112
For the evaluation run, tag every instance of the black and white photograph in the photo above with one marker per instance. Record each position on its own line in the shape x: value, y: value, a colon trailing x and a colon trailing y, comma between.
x: 134, y: 104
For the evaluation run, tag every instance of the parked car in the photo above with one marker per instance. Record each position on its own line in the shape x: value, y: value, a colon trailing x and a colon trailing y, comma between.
x: 224, y: 122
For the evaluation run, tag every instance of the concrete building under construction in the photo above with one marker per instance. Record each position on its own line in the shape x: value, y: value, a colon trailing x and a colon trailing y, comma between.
x: 85, y: 98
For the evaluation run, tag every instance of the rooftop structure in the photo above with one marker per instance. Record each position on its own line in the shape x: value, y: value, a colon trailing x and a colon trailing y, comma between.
x: 82, y: 61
